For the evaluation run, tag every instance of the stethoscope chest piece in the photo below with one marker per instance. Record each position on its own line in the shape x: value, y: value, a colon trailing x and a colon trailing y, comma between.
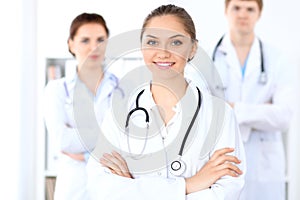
x: 178, y: 167
x: 263, y: 78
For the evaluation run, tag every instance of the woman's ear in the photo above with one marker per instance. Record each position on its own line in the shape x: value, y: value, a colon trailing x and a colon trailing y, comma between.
x: 193, y: 51
x: 71, y: 46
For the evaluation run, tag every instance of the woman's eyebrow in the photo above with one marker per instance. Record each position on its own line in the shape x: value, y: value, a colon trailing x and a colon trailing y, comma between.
x: 174, y: 36
x: 151, y: 36
x: 178, y: 35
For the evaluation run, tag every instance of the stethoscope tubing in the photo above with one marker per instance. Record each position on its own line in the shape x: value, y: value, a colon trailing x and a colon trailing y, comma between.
x: 263, y: 74
x: 192, y: 122
x: 137, y: 107
x: 147, y: 117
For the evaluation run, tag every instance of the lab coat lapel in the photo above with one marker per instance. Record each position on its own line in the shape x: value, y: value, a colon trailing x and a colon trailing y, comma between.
x: 254, y: 60
x: 231, y: 57
x: 71, y: 79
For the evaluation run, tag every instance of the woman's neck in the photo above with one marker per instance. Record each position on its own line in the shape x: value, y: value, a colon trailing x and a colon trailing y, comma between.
x: 175, y: 87
x: 91, y: 77
x: 167, y: 94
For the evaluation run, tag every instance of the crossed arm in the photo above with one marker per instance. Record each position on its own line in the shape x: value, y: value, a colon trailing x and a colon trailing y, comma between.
x: 219, y: 165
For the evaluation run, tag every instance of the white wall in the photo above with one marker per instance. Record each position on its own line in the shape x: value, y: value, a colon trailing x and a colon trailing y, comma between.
x: 279, y: 25
x: 18, y: 110
x: 9, y: 103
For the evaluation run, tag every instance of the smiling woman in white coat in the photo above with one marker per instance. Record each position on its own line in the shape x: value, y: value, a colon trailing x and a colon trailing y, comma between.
x: 206, y: 162
x: 89, y: 86
x: 258, y: 83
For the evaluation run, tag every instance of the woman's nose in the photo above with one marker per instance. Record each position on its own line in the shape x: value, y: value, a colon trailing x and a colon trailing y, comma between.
x: 94, y: 45
x: 163, y: 53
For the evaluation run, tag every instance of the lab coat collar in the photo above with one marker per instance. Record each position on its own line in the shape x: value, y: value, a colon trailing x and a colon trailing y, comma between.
x: 109, y: 80
x: 175, y: 125
x: 224, y: 44
x: 231, y: 57
x: 107, y: 85
x: 254, y: 58
x: 177, y: 108
x: 71, y: 71
x: 71, y: 78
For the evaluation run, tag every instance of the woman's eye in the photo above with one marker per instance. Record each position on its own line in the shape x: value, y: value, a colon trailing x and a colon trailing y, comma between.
x: 176, y: 43
x: 85, y: 41
x: 152, y: 43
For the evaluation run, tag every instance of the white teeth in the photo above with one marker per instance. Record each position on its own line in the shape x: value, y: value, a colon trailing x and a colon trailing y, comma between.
x: 164, y: 64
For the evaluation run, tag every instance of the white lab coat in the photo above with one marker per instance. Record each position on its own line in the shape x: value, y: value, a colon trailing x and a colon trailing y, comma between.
x: 58, y: 112
x: 263, y: 113
x: 159, y: 183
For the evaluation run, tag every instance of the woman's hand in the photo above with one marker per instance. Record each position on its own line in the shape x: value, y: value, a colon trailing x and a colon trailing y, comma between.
x: 219, y: 165
x: 75, y: 156
x: 231, y: 104
x: 116, y: 164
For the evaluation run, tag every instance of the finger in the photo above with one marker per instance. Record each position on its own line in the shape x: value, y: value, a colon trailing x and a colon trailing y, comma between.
x: 124, y: 168
x: 224, y: 172
x: 234, y: 168
x: 115, y: 168
x: 117, y: 164
x: 121, y: 160
x: 110, y: 165
x: 227, y: 172
x: 106, y: 163
x: 119, y: 157
x: 113, y: 171
x: 118, y: 160
x: 221, y: 152
x: 111, y: 158
x: 226, y: 158
x: 231, y: 167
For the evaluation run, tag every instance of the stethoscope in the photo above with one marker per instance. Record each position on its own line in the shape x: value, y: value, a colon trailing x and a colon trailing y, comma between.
x: 263, y: 79
x: 68, y: 99
x: 177, y: 167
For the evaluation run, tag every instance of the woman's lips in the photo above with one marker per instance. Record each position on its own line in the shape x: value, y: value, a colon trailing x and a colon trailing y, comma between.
x: 164, y: 65
x: 94, y: 57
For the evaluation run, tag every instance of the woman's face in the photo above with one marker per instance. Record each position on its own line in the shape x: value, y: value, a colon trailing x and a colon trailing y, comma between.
x: 89, y: 45
x: 166, y: 46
